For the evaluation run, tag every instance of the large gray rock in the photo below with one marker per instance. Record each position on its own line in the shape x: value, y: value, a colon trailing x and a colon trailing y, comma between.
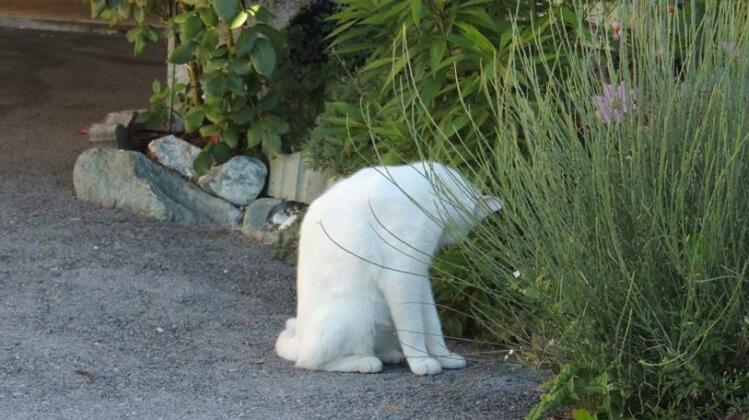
x: 255, y: 223
x: 238, y: 181
x: 257, y: 213
x: 129, y: 180
x: 174, y: 153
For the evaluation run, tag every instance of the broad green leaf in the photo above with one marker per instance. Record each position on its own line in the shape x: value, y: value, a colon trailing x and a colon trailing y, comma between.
x: 209, y: 40
x: 271, y: 144
x: 274, y: 36
x: 191, y: 28
x: 254, y: 135
x: 193, y: 119
x: 235, y: 84
x: 209, y: 130
x: 214, y: 65
x: 245, y: 42
x: 263, y: 57
x: 208, y: 16
x: 221, y: 152
x: 276, y: 124
x: 230, y: 136
x: 226, y: 9
x: 263, y: 15
x: 214, y: 111
x: 269, y: 102
x: 239, y: 20
x: 203, y: 161
x: 215, y: 84
x: 242, y: 67
x: 244, y: 115
x: 182, y: 54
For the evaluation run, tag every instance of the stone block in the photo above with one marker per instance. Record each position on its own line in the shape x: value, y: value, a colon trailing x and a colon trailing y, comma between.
x: 290, y: 179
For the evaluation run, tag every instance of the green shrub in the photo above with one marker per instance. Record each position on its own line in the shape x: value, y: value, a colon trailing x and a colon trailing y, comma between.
x: 454, y: 49
x: 249, y: 91
x: 621, y: 258
x: 306, y: 72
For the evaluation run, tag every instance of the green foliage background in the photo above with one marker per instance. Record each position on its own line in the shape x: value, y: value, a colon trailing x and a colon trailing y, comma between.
x: 620, y: 259
x: 449, y: 49
x: 249, y: 91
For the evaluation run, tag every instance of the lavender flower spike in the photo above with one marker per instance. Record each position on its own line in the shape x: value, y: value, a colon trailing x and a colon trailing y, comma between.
x: 614, y: 103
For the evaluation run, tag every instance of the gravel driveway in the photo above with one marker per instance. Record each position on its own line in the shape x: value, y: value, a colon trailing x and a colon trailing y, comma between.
x: 105, y: 315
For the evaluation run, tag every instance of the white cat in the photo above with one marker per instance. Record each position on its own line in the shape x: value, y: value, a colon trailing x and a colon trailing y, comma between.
x: 366, y: 245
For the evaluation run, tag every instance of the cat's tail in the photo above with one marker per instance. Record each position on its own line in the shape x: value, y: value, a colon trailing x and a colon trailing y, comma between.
x: 287, y: 343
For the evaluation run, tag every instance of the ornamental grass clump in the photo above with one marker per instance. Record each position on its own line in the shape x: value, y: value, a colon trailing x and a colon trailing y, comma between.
x: 621, y: 258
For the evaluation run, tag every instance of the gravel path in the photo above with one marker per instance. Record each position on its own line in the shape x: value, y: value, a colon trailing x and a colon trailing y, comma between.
x: 105, y: 315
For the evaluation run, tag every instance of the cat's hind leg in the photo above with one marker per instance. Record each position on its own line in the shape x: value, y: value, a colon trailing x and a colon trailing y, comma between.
x: 356, y: 363
x: 340, y: 338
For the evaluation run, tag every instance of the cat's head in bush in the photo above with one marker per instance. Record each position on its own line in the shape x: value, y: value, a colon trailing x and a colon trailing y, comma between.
x: 460, y: 206
x: 465, y: 218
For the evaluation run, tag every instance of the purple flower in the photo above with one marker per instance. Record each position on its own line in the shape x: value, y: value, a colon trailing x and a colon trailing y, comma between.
x: 616, y: 30
x: 614, y: 103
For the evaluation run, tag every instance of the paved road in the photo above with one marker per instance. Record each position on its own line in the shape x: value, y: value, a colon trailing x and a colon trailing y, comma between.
x: 105, y: 315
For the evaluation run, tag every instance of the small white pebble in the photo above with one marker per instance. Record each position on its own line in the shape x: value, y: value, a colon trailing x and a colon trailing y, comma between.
x: 159, y: 330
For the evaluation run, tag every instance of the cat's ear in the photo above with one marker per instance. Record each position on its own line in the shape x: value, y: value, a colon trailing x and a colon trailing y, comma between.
x: 487, y: 205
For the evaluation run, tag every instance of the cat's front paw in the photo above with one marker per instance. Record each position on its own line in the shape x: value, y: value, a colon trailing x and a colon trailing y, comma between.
x: 424, y: 366
x: 452, y: 361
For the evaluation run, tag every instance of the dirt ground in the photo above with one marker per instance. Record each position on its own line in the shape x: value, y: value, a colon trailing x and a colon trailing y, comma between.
x: 105, y: 315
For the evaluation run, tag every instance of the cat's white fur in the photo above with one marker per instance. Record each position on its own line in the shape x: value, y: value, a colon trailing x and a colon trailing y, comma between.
x: 366, y: 244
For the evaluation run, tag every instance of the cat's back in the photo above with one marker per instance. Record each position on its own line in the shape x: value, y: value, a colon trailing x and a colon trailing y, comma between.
x: 396, y: 185
x: 383, y: 195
